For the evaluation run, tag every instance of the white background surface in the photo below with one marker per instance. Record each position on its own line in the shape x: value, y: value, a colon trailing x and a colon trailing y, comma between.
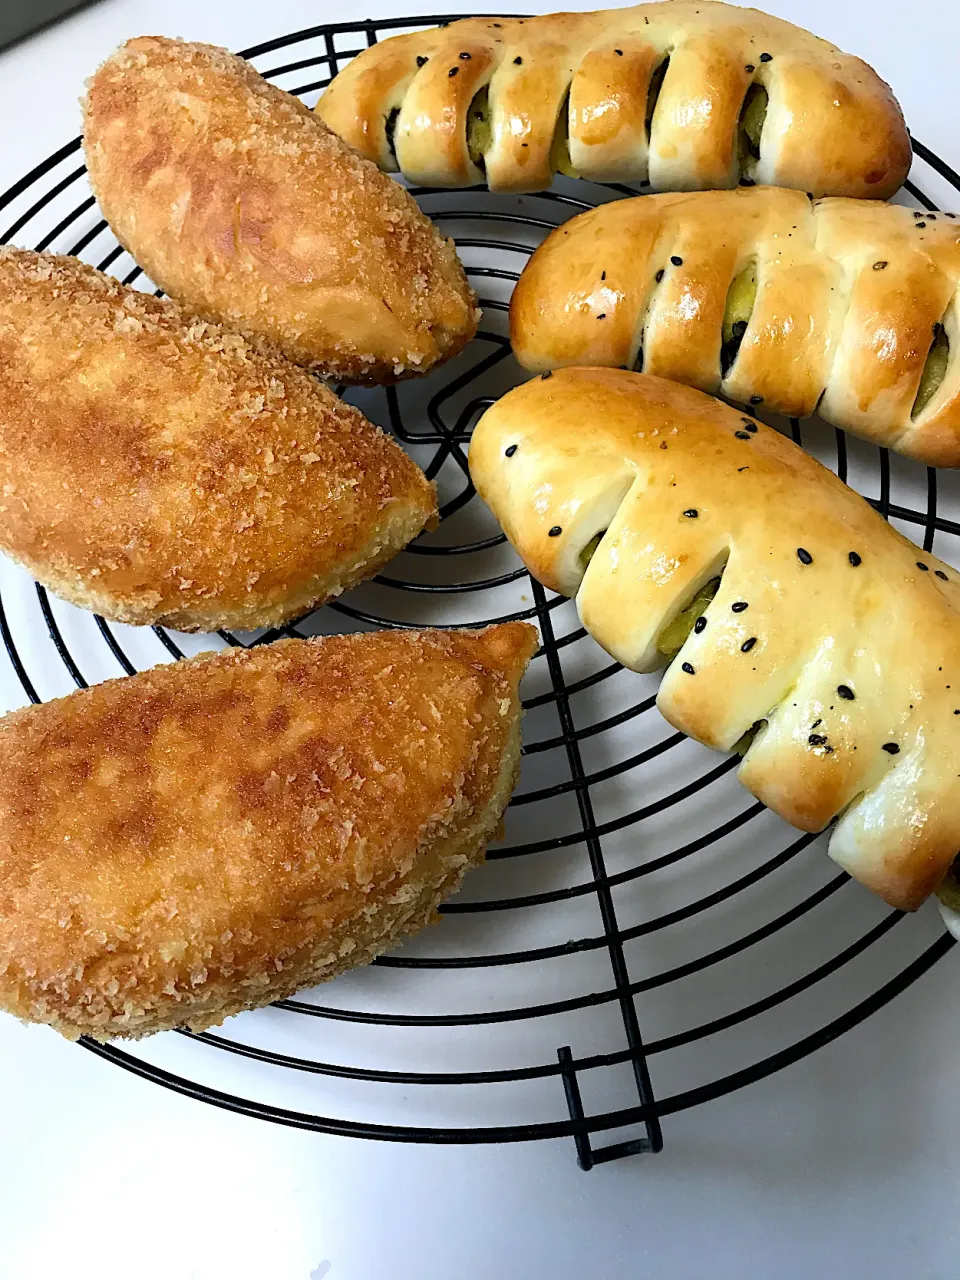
x: 846, y: 1165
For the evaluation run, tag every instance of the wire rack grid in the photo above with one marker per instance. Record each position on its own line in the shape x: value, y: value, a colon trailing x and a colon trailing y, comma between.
x: 647, y: 937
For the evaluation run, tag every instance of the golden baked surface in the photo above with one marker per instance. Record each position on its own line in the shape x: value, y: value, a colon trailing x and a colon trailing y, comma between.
x: 851, y: 296
x: 684, y: 95
x: 156, y: 468
x: 833, y: 632
x: 210, y: 836
x: 241, y: 204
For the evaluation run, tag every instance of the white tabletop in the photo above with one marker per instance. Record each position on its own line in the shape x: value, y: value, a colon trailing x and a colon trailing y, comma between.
x: 846, y: 1164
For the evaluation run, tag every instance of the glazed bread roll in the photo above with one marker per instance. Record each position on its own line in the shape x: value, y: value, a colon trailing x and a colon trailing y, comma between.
x: 155, y: 468
x: 804, y: 629
x: 242, y: 205
x: 211, y: 836
x: 843, y: 307
x: 684, y: 95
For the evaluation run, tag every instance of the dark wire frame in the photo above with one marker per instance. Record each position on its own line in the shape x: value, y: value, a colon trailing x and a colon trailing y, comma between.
x: 449, y: 415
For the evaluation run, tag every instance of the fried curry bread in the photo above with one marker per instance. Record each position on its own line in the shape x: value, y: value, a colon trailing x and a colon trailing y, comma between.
x: 156, y: 468
x: 241, y: 204
x: 210, y: 836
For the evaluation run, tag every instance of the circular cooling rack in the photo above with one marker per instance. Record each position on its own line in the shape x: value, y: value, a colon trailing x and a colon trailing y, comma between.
x: 647, y: 936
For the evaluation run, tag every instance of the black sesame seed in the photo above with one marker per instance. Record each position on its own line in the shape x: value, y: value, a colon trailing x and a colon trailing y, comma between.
x: 816, y: 724
x: 854, y: 559
x: 618, y: 52
x: 739, y: 606
x: 422, y: 61
x: 804, y: 556
x: 510, y: 450
x: 700, y: 625
x: 555, y: 532
x: 845, y: 691
x: 756, y: 399
x: 931, y: 217
x: 518, y: 62
x: 691, y: 513
x: 817, y: 739
x: 742, y: 435
x: 749, y: 67
x: 465, y: 57
x: 677, y: 262
x: 881, y: 265
x: 752, y: 428
x: 602, y: 315
x: 919, y: 225
x: 748, y: 422
x: 748, y: 644
x: 659, y: 276
x: 916, y: 213
x: 766, y: 57
x: 688, y: 669
x: 941, y: 575
x: 957, y: 712
x: 452, y: 72
x: 891, y: 748
x: 603, y: 275
x: 924, y: 567
x: 545, y: 376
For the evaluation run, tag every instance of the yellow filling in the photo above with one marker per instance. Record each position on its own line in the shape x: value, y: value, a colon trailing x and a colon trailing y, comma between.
x: 949, y: 890
x: 586, y: 555
x: 935, y: 369
x: 751, y: 126
x: 479, y: 134
x: 741, y: 297
x: 743, y: 745
x: 674, y: 635
x: 653, y: 92
x: 560, y: 161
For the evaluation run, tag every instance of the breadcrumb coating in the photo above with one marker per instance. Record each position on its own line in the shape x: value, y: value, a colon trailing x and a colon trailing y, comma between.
x: 244, y: 206
x: 213, y: 835
x: 156, y: 468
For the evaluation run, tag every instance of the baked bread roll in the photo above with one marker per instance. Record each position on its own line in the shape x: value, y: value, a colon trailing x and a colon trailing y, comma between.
x: 211, y: 836
x: 684, y: 95
x: 843, y: 307
x: 155, y: 468
x: 804, y: 630
x: 241, y: 204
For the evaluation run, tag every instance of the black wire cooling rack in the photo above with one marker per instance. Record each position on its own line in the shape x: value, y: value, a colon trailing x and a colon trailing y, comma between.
x: 648, y: 937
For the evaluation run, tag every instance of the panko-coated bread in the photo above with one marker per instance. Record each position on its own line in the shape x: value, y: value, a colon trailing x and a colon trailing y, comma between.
x: 155, y: 468
x: 243, y: 206
x: 211, y: 836
x: 847, y: 308
x: 684, y: 95
x: 804, y: 630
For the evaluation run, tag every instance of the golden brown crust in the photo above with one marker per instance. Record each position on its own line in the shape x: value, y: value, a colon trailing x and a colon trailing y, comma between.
x: 210, y: 836
x: 848, y: 294
x: 848, y: 647
x: 832, y: 125
x: 156, y: 468
x: 241, y: 204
